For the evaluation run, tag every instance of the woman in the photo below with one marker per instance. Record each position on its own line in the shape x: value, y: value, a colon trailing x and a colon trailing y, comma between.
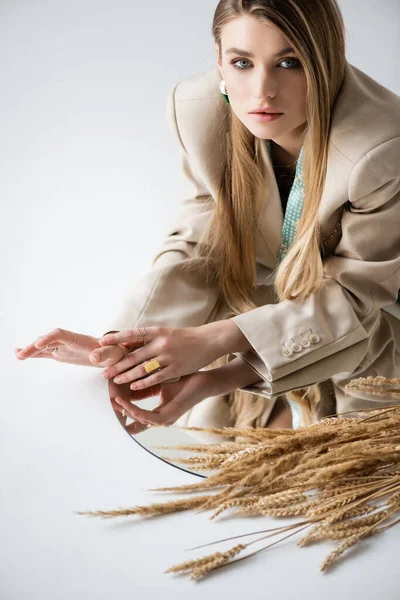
x: 287, y: 245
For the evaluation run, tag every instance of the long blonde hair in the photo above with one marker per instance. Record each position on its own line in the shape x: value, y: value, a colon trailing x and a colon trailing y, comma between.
x: 315, y: 29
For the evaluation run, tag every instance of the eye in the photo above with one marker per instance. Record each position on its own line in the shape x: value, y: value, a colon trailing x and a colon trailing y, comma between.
x: 296, y: 63
x: 238, y: 60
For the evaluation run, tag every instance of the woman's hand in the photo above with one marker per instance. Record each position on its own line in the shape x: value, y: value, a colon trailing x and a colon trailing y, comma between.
x: 175, y: 400
x: 179, y: 351
x: 175, y: 351
x: 70, y: 347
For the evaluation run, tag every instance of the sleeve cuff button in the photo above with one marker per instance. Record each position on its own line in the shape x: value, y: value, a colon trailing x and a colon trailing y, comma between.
x: 296, y: 347
x: 314, y: 338
x: 287, y: 351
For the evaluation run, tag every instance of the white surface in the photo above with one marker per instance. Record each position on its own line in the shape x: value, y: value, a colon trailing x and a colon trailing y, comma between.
x: 82, y: 121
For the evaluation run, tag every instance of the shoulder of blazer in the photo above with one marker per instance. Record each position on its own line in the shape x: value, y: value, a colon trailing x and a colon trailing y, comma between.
x: 198, y: 101
x: 200, y: 117
x: 200, y: 86
x: 366, y: 115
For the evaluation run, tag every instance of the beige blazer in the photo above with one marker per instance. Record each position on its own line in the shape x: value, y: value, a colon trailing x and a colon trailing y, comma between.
x: 360, y: 224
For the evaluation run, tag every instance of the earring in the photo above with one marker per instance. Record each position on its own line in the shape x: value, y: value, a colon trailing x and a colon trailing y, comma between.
x: 223, y: 90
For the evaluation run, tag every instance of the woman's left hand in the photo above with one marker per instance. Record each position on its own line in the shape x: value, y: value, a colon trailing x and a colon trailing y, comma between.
x: 179, y: 351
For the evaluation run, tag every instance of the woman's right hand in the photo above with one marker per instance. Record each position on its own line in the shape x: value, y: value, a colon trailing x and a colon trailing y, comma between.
x: 73, y: 348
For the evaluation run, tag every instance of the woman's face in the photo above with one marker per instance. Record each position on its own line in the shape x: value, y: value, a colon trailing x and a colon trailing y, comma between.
x: 263, y: 79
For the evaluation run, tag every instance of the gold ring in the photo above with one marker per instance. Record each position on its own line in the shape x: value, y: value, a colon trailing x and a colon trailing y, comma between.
x: 152, y: 365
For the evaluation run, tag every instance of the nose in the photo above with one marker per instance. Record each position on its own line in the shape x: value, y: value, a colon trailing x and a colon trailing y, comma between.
x: 265, y: 86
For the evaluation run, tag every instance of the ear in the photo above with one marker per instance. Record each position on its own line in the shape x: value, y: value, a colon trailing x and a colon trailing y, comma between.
x: 219, y: 61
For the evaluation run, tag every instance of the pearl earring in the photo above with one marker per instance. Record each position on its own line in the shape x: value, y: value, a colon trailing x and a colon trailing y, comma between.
x: 223, y: 90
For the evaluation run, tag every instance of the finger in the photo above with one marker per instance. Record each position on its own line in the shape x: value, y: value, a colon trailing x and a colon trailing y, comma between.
x: 145, y: 363
x: 141, y: 334
x: 100, y: 356
x: 132, y: 359
x: 131, y: 396
x: 164, y: 415
x: 28, y: 351
x: 57, y: 336
x: 51, y: 340
x: 135, y: 428
x: 169, y: 411
x: 131, y: 410
x: 116, y: 406
x: 121, y: 410
x: 161, y: 376
x: 150, y: 392
x: 133, y: 344
x: 144, y: 416
x: 38, y: 354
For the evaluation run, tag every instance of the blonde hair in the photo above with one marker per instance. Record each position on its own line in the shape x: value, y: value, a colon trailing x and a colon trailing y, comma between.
x: 315, y: 29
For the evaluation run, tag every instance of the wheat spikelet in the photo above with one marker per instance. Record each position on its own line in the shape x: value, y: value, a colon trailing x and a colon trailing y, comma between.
x: 218, y: 561
x: 153, y: 509
x: 252, y: 505
x: 243, y: 502
x: 342, y: 530
x: 345, y: 545
x: 346, y: 513
x: 288, y: 511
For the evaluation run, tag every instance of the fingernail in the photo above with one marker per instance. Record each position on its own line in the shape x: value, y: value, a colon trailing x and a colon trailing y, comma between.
x: 96, y: 357
x: 117, y: 380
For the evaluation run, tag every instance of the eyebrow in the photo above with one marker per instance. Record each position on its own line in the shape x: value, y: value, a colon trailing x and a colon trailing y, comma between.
x: 251, y: 55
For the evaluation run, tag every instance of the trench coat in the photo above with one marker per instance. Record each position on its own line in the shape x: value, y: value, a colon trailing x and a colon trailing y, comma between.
x: 350, y: 334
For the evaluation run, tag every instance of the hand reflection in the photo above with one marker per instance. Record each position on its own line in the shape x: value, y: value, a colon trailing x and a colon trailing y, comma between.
x: 124, y: 392
x: 176, y: 398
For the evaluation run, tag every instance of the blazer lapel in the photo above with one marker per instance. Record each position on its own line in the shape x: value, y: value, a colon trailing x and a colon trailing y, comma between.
x: 334, y: 196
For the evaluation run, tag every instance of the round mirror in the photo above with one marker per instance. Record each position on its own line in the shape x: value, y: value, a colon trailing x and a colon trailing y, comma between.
x: 215, y: 412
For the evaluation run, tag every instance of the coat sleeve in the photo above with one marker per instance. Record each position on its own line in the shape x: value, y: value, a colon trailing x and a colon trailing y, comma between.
x: 174, y: 292
x: 295, y: 345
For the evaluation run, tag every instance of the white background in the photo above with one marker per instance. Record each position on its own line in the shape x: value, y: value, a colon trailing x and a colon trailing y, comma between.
x: 89, y: 181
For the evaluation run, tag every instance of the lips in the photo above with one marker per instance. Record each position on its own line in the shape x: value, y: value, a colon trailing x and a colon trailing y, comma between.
x: 265, y: 112
x: 265, y: 117
x: 268, y: 110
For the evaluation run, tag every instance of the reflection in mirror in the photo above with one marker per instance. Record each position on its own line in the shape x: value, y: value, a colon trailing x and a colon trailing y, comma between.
x: 215, y: 412
x: 149, y: 437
